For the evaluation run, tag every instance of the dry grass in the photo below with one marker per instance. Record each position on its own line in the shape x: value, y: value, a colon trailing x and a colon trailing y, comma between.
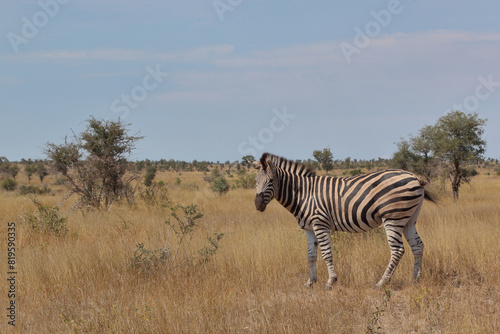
x: 83, y: 283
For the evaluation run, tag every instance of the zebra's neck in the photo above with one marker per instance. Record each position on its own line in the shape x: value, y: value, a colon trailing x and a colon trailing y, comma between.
x: 293, y: 190
x: 293, y: 182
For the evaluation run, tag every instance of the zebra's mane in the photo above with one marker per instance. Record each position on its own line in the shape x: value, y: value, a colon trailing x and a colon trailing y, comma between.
x: 287, y: 165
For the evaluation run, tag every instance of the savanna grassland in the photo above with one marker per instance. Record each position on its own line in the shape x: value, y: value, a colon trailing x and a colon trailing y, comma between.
x: 91, y: 281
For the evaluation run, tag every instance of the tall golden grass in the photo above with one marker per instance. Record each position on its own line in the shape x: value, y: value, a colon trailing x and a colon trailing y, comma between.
x: 83, y: 282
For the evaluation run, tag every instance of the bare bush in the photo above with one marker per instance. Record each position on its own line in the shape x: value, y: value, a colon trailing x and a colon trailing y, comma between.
x: 95, y: 165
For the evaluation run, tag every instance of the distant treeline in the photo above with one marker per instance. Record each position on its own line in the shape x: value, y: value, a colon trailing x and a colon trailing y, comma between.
x: 11, y: 168
x: 205, y: 166
x: 339, y: 164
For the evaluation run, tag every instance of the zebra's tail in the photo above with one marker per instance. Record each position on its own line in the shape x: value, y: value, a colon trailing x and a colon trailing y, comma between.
x: 427, y: 195
x: 430, y: 197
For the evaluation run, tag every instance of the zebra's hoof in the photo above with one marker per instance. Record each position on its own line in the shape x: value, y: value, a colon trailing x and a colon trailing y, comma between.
x: 381, y: 283
x: 330, y: 282
x: 309, y: 283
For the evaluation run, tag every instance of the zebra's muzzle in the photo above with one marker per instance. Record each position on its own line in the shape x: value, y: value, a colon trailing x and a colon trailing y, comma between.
x: 260, y: 203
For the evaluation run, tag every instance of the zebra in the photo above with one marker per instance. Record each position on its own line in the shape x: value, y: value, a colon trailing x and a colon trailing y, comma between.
x: 360, y: 203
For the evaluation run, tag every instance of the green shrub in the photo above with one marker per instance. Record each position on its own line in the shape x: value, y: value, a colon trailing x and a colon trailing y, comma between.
x: 45, y: 219
x: 214, y: 174
x: 218, y: 183
x: 208, y: 251
x: 245, y: 180
x: 60, y: 181
x: 154, y: 194
x: 184, y: 223
x: 355, y: 172
x: 145, y: 260
x: 30, y: 189
x: 150, y: 175
x: 220, y: 186
x: 9, y: 184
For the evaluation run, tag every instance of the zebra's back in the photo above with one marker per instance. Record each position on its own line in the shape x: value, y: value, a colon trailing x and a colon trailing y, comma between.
x: 361, y: 203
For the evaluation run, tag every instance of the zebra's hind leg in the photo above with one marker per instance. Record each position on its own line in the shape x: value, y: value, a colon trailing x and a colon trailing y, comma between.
x: 312, y: 257
x: 325, y: 243
x: 417, y: 247
x: 394, y: 233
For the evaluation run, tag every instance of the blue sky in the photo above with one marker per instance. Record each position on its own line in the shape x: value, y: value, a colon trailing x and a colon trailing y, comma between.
x: 216, y: 80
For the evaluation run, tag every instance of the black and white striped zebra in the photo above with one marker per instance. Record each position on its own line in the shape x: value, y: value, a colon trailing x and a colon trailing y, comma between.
x: 353, y: 204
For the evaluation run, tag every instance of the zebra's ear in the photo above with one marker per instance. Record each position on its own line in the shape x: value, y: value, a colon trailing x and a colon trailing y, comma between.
x: 263, y: 160
x: 256, y: 165
x: 269, y: 163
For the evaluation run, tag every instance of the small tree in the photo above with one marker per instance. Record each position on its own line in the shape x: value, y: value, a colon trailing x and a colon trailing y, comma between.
x: 423, y: 146
x: 324, y: 158
x: 13, y: 170
x: 404, y: 157
x: 150, y: 175
x: 452, y: 143
x: 247, y: 160
x: 94, y: 165
x: 457, y: 140
x: 29, y: 170
x: 347, y: 163
x: 41, y: 171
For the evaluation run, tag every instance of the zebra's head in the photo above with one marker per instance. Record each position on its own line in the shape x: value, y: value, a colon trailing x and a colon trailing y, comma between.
x: 265, y: 182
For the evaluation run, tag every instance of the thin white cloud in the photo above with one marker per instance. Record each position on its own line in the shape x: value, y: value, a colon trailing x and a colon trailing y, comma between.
x: 388, y: 46
x: 317, y: 55
x: 199, y: 54
x: 203, y: 53
x: 437, y: 68
x: 300, y: 56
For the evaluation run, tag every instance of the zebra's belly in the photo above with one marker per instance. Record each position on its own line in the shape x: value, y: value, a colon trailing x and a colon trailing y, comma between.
x: 344, y: 225
x: 357, y: 226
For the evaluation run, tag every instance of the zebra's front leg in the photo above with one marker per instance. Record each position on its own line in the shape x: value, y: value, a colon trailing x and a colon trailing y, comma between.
x: 325, y: 242
x: 312, y: 257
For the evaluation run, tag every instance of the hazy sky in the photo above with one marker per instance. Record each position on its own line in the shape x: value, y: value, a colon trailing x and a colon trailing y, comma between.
x: 216, y: 80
